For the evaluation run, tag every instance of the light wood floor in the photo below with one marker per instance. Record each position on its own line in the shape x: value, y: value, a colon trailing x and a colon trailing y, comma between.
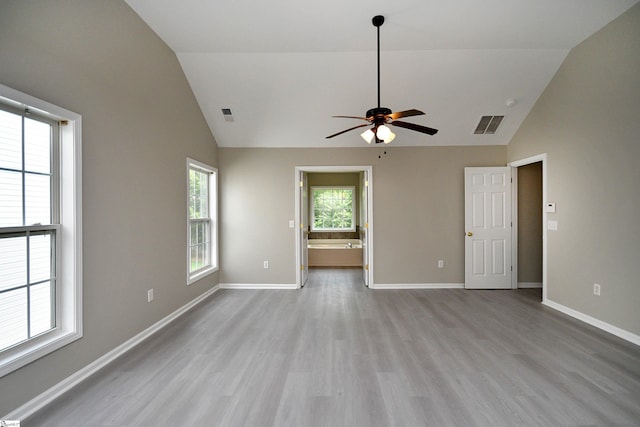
x: 338, y: 354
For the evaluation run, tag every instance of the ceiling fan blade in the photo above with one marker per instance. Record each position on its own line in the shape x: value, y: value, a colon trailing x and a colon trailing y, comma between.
x: 347, y: 130
x: 352, y: 117
x: 413, y: 126
x: 407, y: 113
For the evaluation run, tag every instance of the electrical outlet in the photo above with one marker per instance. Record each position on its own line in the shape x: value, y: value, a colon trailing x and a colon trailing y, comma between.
x: 440, y: 263
x: 596, y: 289
x: 150, y: 295
x: 266, y: 264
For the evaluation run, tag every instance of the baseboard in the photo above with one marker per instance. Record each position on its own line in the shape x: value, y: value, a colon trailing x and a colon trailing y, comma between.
x: 71, y: 381
x: 258, y: 286
x: 529, y: 285
x: 418, y: 286
x: 621, y: 333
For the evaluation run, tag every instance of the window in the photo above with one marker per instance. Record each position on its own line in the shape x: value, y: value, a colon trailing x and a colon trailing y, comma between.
x: 202, y: 232
x: 40, y: 217
x: 333, y: 209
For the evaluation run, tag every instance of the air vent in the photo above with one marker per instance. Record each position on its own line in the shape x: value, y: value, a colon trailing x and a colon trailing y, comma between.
x: 488, y: 125
x: 226, y: 113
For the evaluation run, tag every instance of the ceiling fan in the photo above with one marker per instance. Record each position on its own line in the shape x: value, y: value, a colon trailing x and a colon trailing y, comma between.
x: 381, y: 116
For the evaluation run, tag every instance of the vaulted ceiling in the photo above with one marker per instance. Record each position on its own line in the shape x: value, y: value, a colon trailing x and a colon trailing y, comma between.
x: 284, y: 67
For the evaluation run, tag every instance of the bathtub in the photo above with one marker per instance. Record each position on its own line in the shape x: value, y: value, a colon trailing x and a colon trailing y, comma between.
x: 335, y: 253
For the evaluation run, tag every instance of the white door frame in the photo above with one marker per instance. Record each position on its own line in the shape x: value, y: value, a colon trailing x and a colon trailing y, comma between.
x: 369, y: 207
x: 514, y: 203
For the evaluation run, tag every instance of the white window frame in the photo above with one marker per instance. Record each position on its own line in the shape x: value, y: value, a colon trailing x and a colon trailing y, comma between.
x: 213, y: 220
x: 353, y: 208
x: 68, y: 238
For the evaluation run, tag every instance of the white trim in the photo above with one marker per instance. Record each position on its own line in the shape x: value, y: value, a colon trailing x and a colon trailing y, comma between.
x: 258, y: 286
x: 74, y: 379
x: 69, y: 292
x: 523, y: 162
x: 621, y: 333
x: 514, y: 228
x: 529, y: 285
x: 419, y: 286
x: 369, y: 171
x: 193, y: 277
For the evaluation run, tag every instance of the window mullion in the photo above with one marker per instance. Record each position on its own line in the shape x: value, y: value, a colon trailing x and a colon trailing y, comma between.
x: 23, y: 166
x: 28, y: 284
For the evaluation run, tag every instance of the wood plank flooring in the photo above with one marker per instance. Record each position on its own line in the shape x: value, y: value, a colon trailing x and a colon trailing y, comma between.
x: 338, y: 354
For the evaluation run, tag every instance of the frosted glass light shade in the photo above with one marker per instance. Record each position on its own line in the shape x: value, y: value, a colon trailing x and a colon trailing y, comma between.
x: 390, y: 137
x: 383, y: 132
x: 367, y: 135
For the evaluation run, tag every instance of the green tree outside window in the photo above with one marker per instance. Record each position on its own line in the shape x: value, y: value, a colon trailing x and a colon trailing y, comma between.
x: 333, y: 208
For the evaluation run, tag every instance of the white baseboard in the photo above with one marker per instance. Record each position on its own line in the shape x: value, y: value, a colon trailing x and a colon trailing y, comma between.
x: 71, y: 381
x: 529, y: 285
x: 418, y: 286
x: 258, y: 286
x: 625, y: 335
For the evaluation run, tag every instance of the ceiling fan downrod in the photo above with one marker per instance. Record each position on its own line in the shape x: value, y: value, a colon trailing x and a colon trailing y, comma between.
x: 377, y: 21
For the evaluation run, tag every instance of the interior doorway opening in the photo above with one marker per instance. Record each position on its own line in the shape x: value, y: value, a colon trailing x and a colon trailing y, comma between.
x: 529, y: 227
x: 530, y: 220
x: 323, y: 242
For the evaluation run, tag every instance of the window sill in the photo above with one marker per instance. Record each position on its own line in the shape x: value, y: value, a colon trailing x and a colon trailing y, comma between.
x: 200, y: 275
x: 27, y: 352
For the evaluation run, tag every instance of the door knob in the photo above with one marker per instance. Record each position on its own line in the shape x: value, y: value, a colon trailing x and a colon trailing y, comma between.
x: 469, y: 234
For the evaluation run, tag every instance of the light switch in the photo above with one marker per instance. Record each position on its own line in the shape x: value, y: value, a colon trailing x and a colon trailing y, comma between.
x: 291, y: 223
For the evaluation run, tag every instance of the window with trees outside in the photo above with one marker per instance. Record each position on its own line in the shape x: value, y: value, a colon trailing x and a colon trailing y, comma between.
x: 333, y: 209
x: 40, y: 280
x: 202, y: 256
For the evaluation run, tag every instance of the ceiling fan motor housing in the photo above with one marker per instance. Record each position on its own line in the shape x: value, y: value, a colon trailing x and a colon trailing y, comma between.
x: 377, y: 115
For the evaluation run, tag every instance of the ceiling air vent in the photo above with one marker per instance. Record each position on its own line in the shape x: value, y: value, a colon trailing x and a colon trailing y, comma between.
x: 226, y: 113
x: 488, y: 125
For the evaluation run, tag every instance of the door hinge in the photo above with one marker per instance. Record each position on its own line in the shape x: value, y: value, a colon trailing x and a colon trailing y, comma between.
x: 366, y: 267
x: 301, y: 267
x: 512, y: 268
x: 366, y: 225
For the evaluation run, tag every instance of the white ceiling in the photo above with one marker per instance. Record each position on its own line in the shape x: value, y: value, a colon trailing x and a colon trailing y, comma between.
x: 284, y: 67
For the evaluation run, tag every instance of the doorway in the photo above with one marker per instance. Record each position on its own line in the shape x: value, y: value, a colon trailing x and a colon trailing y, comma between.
x: 364, y: 217
x: 529, y: 227
x: 530, y: 219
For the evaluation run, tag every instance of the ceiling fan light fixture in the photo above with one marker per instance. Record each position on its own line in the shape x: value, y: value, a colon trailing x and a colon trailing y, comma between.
x: 383, y: 133
x: 390, y: 138
x: 367, y: 135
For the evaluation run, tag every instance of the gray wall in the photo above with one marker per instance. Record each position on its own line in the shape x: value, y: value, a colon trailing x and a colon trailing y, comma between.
x: 587, y: 120
x: 418, y: 210
x: 140, y: 122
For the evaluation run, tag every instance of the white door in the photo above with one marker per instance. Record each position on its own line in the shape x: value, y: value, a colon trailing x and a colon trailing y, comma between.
x: 487, y: 228
x: 364, y: 229
x: 304, y: 228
